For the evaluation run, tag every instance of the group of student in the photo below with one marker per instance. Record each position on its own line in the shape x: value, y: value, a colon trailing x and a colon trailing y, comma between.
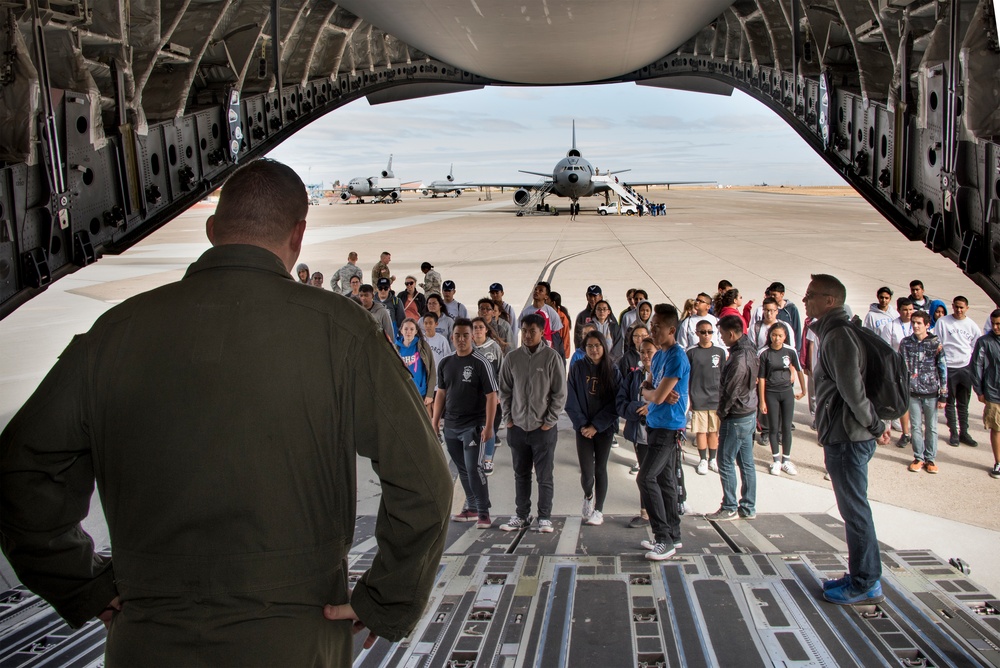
x: 459, y: 365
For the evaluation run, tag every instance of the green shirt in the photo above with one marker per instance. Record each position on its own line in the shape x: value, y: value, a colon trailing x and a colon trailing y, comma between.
x: 221, y: 417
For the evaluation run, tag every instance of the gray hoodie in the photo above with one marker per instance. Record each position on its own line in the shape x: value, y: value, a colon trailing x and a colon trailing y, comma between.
x: 843, y: 411
x: 533, y: 386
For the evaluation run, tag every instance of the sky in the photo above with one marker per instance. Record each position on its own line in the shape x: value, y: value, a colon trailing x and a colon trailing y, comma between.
x: 491, y: 133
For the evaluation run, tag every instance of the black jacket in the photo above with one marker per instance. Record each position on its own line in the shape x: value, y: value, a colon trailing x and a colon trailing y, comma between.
x: 629, y: 401
x: 577, y: 403
x: 738, y: 384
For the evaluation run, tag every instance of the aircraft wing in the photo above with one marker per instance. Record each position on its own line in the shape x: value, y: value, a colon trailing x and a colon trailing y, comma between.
x: 499, y: 184
x: 665, y: 183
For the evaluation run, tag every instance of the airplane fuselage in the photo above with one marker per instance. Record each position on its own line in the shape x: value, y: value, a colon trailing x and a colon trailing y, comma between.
x: 372, y: 186
x: 571, y: 177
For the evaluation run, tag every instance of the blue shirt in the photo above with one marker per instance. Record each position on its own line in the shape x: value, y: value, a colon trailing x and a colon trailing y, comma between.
x: 672, y: 363
x: 411, y: 358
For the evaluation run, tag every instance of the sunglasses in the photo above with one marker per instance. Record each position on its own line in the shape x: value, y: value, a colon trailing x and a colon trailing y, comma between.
x: 706, y: 331
x: 410, y: 283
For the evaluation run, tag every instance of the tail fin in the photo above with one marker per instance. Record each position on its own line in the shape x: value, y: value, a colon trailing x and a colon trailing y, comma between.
x: 574, y: 134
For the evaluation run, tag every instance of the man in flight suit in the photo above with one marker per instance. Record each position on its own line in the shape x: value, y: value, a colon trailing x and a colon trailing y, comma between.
x: 225, y: 453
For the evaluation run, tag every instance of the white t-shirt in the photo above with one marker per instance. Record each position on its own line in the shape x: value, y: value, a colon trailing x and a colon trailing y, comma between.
x: 687, y: 334
x: 761, y: 336
x: 894, y: 331
x: 957, y: 338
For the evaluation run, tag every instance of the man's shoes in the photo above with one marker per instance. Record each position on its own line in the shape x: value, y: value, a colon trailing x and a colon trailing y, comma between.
x: 484, y: 522
x: 904, y: 441
x: 596, y: 519
x: 466, y: 515
x: 837, y: 582
x: 660, y: 552
x: 634, y: 470
x: 762, y: 438
x: 702, y: 468
x: 775, y: 468
x: 545, y: 526
x: 588, y: 507
x: 614, y: 442
x: 968, y: 440
x: 916, y: 466
x: 995, y: 471
x: 488, y: 467
x: 722, y: 515
x: 638, y: 522
x: 930, y: 467
x: 713, y: 465
x: 746, y: 514
x: 516, y: 523
x: 847, y: 594
x: 647, y: 544
x: 953, y: 440
x: 788, y: 467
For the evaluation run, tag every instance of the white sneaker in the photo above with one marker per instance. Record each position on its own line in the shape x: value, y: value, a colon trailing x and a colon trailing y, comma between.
x: 776, y: 468
x: 713, y: 465
x: 789, y: 468
x: 660, y: 552
x: 614, y: 442
x: 596, y: 518
x: 588, y: 507
x: 702, y: 468
x: 647, y: 544
x: 545, y: 526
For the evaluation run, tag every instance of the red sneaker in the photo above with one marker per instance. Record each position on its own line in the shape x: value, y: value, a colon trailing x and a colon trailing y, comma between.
x: 465, y: 516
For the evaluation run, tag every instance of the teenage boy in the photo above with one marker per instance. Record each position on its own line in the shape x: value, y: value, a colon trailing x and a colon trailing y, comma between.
x: 455, y: 308
x: 918, y: 298
x: 666, y: 390
x: 986, y: 384
x: 532, y: 394
x: 788, y: 312
x: 958, y: 334
x: 759, y: 332
x: 880, y: 311
x: 687, y: 334
x: 467, y: 400
x: 737, y: 415
x: 366, y: 296
x: 440, y: 345
x: 706, y: 361
x: 496, y: 294
x: 393, y: 304
x: 928, y: 389
x: 551, y: 322
x: 893, y: 332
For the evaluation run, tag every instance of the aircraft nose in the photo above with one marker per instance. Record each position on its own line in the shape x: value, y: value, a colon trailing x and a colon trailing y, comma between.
x: 573, y: 178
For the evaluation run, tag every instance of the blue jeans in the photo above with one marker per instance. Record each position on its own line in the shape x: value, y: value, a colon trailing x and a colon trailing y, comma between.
x: 847, y: 464
x: 923, y: 427
x: 736, y: 446
x: 469, y: 462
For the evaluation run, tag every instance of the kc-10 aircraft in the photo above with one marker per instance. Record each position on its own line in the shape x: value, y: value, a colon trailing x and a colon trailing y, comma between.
x: 384, y: 187
x: 573, y: 177
x: 443, y: 187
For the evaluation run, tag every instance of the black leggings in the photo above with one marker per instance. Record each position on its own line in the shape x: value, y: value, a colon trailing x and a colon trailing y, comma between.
x: 593, y: 454
x: 780, y: 409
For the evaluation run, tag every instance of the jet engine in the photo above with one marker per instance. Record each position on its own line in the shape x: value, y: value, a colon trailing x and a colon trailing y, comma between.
x: 522, y: 197
x: 394, y: 195
x: 345, y: 196
x: 385, y: 174
x: 425, y: 193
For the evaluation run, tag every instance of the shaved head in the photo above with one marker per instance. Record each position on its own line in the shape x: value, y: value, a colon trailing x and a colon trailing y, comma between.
x: 260, y: 204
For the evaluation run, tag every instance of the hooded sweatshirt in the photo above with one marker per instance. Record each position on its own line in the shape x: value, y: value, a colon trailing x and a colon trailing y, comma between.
x: 876, y: 317
x: 299, y: 269
x: 925, y: 362
x: 533, y: 387
x: 932, y: 307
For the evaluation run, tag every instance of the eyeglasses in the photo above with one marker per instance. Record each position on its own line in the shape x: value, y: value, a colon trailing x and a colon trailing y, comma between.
x: 595, y: 346
x: 702, y: 301
x: 810, y: 295
x: 706, y: 332
x: 409, y: 283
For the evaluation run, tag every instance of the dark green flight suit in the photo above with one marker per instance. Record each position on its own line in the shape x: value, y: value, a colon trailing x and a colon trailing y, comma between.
x: 221, y: 417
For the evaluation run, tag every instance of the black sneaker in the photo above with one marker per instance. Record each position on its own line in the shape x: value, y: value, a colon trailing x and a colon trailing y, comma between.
x: 904, y: 441
x: 968, y: 440
x: 995, y: 471
x: 953, y: 440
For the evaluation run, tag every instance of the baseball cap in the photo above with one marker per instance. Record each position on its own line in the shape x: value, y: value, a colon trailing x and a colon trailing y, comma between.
x: 383, y: 283
x: 496, y: 287
x: 426, y: 266
x: 448, y: 285
x: 594, y: 290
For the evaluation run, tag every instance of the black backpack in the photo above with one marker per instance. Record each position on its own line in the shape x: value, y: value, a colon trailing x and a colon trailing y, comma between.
x: 887, y: 381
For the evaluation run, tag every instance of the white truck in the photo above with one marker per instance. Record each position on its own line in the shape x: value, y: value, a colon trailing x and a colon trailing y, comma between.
x: 626, y: 209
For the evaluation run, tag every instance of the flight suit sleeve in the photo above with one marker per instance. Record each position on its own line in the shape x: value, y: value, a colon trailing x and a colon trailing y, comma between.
x: 46, y: 483
x: 390, y: 427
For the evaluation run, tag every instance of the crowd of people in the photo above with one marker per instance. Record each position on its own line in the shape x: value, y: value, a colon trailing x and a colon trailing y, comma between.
x: 747, y: 365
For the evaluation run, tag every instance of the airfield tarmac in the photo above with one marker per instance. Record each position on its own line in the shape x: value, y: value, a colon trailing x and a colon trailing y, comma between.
x: 750, y: 237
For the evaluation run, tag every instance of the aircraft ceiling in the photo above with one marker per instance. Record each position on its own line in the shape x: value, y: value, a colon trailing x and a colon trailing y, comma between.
x: 117, y: 115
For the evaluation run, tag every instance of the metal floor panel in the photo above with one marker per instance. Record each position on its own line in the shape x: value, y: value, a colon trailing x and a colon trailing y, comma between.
x: 738, y: 593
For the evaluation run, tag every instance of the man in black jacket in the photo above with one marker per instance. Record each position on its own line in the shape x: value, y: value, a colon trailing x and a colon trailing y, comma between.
x: 738, y: 416
x: 847, y: 426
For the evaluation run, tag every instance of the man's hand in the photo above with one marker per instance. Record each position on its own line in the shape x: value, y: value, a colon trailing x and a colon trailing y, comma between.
x: 982, y: 398
x: 338, y: 612
x: 487, y: 433
x: 673, y: 397
x: 114, y: 607
x: 437, y: 426
x: 642, y: 410
x: 588, y: 431
x: 546, y: 427
x: 800, y: 395
x: 885, y: 437
x: 510, y: 425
